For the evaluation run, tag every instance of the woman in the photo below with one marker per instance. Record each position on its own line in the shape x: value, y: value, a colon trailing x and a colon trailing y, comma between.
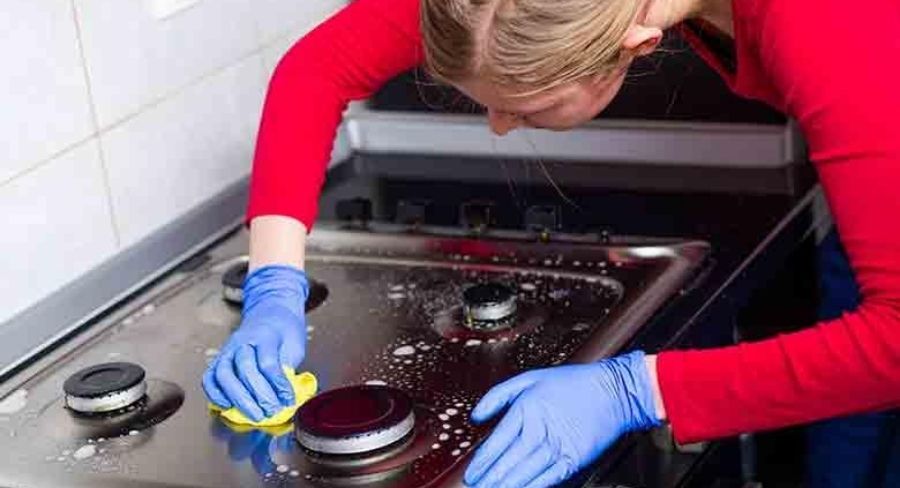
x: 556, y: 64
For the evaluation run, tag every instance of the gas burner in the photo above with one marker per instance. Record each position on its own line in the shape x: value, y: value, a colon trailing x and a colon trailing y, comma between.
x: 489, y: 306
x: 233, y: 283
x: 105, y: 388
x: 233, y: 286
x: 355, y: 420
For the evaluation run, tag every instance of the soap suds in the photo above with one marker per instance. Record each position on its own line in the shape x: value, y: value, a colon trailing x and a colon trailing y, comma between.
x: 84, y: 452
x: 404, y: 351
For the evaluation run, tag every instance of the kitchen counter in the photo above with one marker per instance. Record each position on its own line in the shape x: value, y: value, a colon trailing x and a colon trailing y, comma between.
x: 753, y: 219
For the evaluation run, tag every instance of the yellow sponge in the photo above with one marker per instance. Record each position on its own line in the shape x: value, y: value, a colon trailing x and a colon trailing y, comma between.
x: 305, y: 386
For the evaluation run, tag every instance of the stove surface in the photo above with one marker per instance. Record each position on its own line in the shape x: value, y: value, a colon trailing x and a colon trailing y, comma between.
x: 394, y: 315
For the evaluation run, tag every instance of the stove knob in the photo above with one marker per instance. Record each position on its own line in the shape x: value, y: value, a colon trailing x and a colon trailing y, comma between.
x: 477, y: 216
x: 543, y: 219
x: 413, y: 212
x: 355, y: 211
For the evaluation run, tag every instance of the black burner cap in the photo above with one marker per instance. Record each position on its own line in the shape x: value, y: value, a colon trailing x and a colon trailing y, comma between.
x: 103, y: 379
x: 234, y: 276
x: 354, y: 411
x: 486, y: 294
x: 488, y: 305
x: 233, y: 282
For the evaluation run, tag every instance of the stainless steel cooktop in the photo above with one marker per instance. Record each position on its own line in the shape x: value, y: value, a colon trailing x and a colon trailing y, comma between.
x: 390, y: 311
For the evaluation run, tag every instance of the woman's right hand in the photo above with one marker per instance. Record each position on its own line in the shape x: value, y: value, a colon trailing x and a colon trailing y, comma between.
x: 248, y: 371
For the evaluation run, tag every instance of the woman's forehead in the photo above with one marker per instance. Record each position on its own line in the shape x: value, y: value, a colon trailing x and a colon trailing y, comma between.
x: 511, y: 99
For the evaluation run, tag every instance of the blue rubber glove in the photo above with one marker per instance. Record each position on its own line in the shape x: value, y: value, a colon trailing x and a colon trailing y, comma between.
x: 247, y: 372
x: 560, y: 420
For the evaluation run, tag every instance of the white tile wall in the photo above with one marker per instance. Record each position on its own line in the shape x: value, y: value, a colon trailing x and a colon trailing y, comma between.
x: 278, y: 18
x: 134, y: 59
x: 178, y: 103
x: 43, y: 95
x: 174, y: 156
x: 56, y: 226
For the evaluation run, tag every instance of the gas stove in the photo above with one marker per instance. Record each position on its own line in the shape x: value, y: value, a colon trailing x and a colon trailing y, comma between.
x: 408, y: 326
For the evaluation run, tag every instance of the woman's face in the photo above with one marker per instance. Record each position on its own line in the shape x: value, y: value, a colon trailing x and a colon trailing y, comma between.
x: 560, y: 108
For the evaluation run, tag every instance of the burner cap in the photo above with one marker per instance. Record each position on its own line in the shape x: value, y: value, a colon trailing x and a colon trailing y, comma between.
x: 233, y: 282
x: 487, y: 303
x: 233, y: 287
x: 105, y: 387
x: 354, y: 419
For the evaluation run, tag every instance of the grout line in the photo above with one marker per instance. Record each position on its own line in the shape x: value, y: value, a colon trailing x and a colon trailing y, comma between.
x: 43, y: 162
x: 104, y: 171
x: 98, y: 131
x: 156, y: 101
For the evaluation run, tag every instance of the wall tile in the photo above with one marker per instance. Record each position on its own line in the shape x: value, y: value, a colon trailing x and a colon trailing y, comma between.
x: 56, y: 226
x: 278, y: 18
x: 134, y: 59
x: 173, y: 157
x: 43, y: 93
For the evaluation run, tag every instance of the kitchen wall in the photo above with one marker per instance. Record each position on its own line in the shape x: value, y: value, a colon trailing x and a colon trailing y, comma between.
x: 118, y: 116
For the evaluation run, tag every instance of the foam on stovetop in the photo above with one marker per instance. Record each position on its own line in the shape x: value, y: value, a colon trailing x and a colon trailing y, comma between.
x: 84, y: 452
x: 404, y: 351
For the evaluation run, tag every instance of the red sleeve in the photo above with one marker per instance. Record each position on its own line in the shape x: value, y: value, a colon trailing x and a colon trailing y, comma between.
x: 833, y: 68
x: 346, y: 58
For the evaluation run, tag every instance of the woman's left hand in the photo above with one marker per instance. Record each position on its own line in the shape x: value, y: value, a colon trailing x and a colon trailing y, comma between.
x: 560, y: 420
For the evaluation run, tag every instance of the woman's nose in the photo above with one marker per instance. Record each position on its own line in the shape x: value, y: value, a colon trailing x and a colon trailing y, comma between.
x: 502, y: 123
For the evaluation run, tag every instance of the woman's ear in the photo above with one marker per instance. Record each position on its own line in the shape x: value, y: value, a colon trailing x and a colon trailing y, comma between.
x: 641, y: 40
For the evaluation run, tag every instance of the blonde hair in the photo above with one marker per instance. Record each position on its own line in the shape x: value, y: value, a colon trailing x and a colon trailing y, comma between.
x: 539, y: 44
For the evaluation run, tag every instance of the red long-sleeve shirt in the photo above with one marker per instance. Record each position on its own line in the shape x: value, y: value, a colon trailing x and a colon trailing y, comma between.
x: 828, y: 64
